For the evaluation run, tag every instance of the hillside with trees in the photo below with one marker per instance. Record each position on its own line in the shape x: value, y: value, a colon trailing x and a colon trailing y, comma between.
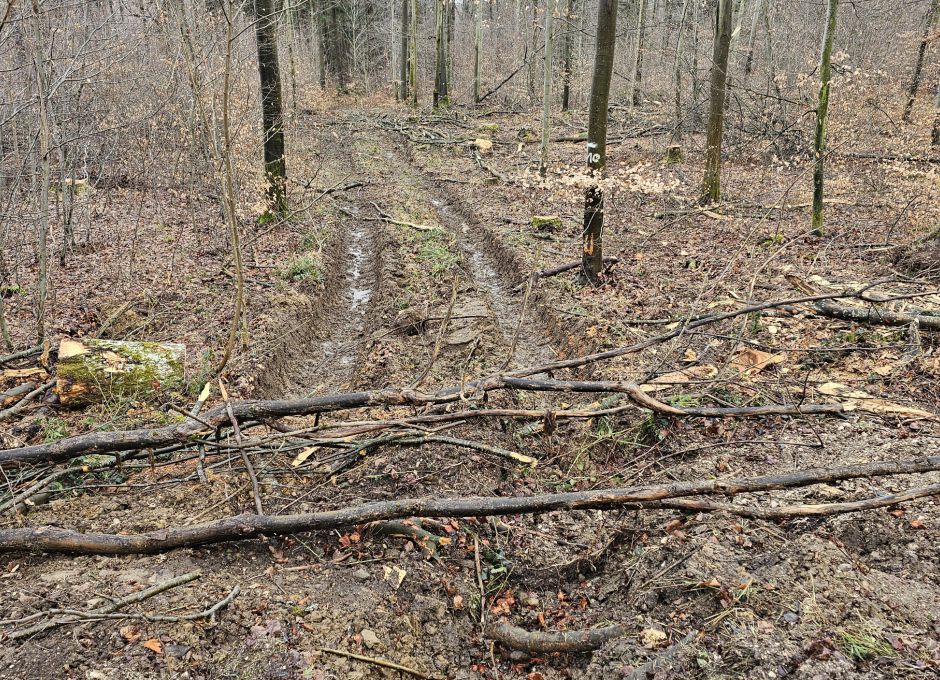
x: 458, y: 339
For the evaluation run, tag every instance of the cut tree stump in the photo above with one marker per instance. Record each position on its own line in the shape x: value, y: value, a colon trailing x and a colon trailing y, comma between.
x: 94, y: 370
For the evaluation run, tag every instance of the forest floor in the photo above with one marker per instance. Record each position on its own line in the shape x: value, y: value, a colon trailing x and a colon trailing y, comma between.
x: 425, y: 223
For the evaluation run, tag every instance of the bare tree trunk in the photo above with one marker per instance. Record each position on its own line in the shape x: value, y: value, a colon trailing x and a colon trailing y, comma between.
x: 440, y: 80
x: 677, y: 68
x: 930, y: 23
x: 566, y: 68
x: 696, y: 80
x: 711, y: 184
x: 321, y: 41
x: 403, y: 70
x: 413, y: 62
x: 825, y: 74
x: 935, y: 132
x: 275, y: 168
x: 592, y: 258
x: 228, y: 190
x: 41, y: 195
x: 547, y: 86
x: 477, y: 51
x: 636, y: 97
x: 752, y: 38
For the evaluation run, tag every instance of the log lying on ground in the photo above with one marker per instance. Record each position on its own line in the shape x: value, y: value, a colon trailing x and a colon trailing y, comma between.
x: 110, y: 442
x: 540, y: 642
x: 94, y: 370
x: 56, y: 539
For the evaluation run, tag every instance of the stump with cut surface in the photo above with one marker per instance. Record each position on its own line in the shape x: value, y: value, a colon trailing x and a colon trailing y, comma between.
x: 94, y: 370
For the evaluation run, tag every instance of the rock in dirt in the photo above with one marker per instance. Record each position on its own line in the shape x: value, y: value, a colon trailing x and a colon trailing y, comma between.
x: 369, y: 638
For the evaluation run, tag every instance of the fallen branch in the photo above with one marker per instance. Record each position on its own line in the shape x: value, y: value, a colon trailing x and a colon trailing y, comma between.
x: 540, y: 642
x: 873, y: 315
x: 24, y: 402
x: 110, y: 442
x: 78, y: 616
x: 56, y: 539
x: 377, y: 662
x: 22, y: 354
x: 562, y: 268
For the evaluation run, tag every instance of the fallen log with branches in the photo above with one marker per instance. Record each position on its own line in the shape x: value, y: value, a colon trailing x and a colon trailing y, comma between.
x: 240, y: 527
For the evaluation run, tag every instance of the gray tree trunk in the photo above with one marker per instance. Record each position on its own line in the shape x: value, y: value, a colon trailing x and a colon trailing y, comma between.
x: 547, y: 86
x: 930, y: 23
x: 711, y: 184
x: 822, y: 109
x: 272, y: 122
x: 636, y: 97
x: 592, y: 259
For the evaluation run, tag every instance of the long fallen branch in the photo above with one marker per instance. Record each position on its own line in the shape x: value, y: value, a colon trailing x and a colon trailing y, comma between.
x: 224, y: 415
x: 56, y: 539
x: 873, y: 315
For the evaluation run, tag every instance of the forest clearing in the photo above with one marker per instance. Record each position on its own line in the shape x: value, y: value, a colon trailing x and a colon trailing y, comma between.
x: 463, y: 339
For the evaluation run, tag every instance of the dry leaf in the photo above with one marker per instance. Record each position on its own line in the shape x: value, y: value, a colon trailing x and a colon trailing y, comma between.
x: 683, y: 377
x: 651, y: 638
x: 22, y: 372
x: 483, y: 144
x: 862, y: 401
x: 154, y: 645
x: 394, y: 575
x: 130, y: 633
x: 750, y: 361
x: 458, y: 601
x: 302, y: 457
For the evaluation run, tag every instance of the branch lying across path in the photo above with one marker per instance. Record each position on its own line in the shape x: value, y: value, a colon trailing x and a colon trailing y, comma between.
x: 562, y: 268
x: 540, y: 642
x: 873, y: 315
x: 222, y: 416
x: 56, y: 539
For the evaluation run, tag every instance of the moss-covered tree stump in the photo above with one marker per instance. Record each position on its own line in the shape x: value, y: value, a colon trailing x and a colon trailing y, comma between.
x: 92, y: 370
x: 546, y: 222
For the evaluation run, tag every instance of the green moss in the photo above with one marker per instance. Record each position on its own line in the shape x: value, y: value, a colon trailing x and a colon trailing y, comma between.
x: 488, y: 127
x: 546, y: 222
x: 304, y: 268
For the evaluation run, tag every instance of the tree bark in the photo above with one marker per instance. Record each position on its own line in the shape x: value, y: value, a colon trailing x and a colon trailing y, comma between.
x: 477, y: 52
x: 320, y: 23
x: 440, y: 80
x: 711, y: 184
x: 413, y: 62
x: 752, y: 38
x: 677, y: 72
x: 636, y: 97
x: 566, y: 68
x: 930, y: 23
x: 592, y: 257
x: 822, y: 109
x: 935, y: 131
x: 547, y: 87
x: 403, y: 71
x: 275, y: 168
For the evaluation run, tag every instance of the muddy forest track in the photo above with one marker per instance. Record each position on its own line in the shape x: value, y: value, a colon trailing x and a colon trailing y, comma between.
x: 324, y: 343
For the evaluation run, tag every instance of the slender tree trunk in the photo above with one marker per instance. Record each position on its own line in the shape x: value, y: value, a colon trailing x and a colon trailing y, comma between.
x: 413, y: 61
x: 547, y: 86
x: 930, y: 23
x: 566, y: 68
x: 403, y: 71
x: 677, y: 73
x: 477, y: 52
x: 696, y: 78
x: 752, y: 38
x: 321, y: 41
x: 275, y: 168
x: 41, y: 154
x: 825, y: 74
x: 592, y: 259
x: 289, y: 17
x: 636, y: 97
x: 440, y: 80
x: 711, y: 184
x: 935, y: 132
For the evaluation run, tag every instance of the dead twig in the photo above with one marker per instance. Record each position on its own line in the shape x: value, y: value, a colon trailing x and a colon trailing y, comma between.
x: 103, y: 612
x: 25, y: 401
x: 378, y: 662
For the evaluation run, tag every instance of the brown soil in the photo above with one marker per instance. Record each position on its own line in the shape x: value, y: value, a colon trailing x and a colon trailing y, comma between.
x: 852, y: 597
